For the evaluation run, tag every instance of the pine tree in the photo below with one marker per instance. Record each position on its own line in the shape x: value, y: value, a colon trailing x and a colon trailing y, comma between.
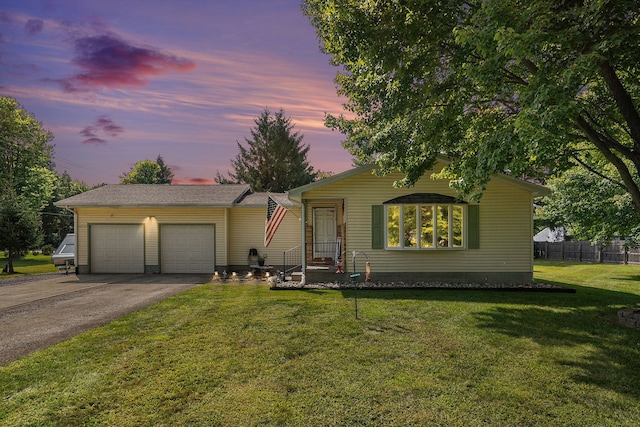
x: 165, y: 175
x: 274, y: 159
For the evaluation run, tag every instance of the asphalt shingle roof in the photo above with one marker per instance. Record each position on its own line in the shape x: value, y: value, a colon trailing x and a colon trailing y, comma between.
x: 159, y: 195
x: 260, y: 200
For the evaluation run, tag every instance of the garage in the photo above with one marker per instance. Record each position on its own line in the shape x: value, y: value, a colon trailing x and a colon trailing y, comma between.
x: 187, y: 248
x: 117, y: 248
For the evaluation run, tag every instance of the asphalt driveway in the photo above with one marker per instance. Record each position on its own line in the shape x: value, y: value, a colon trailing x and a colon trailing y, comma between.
x: 38, y: 313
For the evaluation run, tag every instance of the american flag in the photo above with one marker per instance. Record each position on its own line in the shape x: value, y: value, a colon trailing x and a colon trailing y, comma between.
x: 275, y: 215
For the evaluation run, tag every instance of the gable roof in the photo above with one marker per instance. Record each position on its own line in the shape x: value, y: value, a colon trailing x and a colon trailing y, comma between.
x: 143, y: 195
x: 296, y: 193
x: 259, y: 200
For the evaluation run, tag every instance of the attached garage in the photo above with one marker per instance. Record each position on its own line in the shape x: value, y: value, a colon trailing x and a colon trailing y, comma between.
x: 117, y: 248
x: 187, y: 248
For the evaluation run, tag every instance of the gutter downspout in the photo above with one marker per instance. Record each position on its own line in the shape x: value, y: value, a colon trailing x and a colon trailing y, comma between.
x: 304, y: 240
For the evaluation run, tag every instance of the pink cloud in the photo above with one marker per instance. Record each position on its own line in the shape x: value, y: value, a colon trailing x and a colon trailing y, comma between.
x: 192, y: 181
x: 102, y: 125
x: 106, y: 61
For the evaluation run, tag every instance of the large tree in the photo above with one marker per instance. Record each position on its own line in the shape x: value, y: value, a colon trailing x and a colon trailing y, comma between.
x: 148, y: 172
x: 274, y: 159
x: 498, y: 86
x: 590, y: 206
x: 57, y: 222
x: 19, y: 227
x: 26, y: 168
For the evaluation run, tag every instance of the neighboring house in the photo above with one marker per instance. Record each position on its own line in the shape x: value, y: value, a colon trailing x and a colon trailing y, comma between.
x: 551, y: 235
x: 420, y: 233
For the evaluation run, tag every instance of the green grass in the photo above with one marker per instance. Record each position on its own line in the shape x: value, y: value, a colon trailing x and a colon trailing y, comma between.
x: 225, y: 354
x: 30, y: 264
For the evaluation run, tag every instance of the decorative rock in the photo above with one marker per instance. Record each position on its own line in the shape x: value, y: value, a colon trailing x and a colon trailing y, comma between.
x: 526, y: 287
x: 629, y: 317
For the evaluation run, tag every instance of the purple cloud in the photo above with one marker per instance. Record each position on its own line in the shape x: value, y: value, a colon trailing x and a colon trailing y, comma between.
x: 34, y: 26
x: 5, y: 17
x: 102, y: 125
x: 106, y: 61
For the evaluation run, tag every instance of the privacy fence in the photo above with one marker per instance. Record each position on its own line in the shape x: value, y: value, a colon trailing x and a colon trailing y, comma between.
x: 614, y: 253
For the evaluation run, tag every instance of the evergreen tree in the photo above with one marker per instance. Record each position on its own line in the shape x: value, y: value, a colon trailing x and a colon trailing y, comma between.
x: 274, y: 159
x: 57, y: 222
x: 165, y: 175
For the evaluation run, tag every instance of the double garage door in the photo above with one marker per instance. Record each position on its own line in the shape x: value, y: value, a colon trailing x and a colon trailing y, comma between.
x: 119, y: 248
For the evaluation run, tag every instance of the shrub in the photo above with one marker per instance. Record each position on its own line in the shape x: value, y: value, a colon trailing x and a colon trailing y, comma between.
x: 48, y: 249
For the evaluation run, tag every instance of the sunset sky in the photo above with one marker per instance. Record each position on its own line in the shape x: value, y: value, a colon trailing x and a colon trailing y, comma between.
x: 121, y: 81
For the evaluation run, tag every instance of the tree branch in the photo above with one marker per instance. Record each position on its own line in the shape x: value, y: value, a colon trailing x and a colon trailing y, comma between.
x: 623, y: 101
x: 594, y: 137
x: 598, y: 173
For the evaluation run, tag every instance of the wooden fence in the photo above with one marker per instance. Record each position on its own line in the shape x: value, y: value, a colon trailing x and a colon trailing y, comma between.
x: 580, y: 251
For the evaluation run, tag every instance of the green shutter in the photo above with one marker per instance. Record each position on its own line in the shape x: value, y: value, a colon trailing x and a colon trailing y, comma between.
x: 473, y: 228
x: 377, y: 227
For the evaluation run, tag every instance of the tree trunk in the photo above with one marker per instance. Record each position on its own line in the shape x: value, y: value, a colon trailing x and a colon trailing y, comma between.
x: 10, y: 262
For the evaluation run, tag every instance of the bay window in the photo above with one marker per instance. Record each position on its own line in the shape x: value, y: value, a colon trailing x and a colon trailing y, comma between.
x: 425, y: 226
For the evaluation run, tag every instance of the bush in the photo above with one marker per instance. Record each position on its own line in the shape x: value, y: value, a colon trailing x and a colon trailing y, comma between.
x: 48, y: 249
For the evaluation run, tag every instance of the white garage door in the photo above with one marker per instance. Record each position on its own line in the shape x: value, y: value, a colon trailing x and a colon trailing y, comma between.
x: 187, y: 248
x: 117, y: 248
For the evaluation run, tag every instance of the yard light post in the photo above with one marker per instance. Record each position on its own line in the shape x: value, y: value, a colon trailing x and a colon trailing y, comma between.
x: 354, y: 277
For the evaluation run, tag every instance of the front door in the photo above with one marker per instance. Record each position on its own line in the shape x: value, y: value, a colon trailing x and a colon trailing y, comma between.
x: 324, y: 232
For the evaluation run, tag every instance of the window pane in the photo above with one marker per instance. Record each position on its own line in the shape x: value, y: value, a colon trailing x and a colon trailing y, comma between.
x: 426, y: 226
x: 457, y: 226
x: 393, y: 226
x: 410, y: 227
x: 443, y: 226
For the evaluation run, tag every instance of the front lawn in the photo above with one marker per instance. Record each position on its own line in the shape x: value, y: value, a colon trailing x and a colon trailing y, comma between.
x: 30, y: 264
x: 229, y: 354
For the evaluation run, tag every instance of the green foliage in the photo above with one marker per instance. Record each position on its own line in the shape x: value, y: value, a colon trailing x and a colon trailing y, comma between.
x: 48, y: 249
x: 274, y: 159
x: 591, y: 207
x: 165, y: 175
x: 58, y: 222
x: 25, y: 155
x: 19, y: 227
x: 498, y: 86
x: 148, y: 172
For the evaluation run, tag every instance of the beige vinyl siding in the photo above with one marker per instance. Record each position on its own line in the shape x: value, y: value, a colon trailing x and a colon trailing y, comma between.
x: 246, y: 230
x: 150, y: 218
x: 505, y: 226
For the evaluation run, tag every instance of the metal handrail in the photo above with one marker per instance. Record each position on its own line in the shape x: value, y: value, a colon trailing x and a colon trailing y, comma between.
x: 291, y: 259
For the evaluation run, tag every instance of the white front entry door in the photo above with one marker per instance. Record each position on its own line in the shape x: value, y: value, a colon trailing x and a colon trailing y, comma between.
x: 324, y: 232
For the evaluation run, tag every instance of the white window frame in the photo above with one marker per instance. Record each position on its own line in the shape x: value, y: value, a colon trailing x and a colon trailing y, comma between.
x: 420, y: 247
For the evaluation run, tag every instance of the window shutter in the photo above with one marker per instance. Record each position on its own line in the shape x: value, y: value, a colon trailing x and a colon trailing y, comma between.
x: 377, y: 227
x: 473, y: 228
